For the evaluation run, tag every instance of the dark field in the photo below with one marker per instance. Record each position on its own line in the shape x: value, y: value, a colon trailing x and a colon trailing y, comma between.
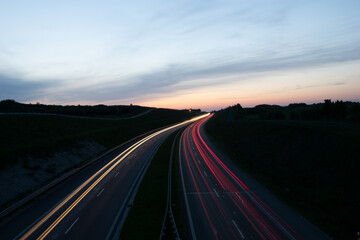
x: 312, y: 165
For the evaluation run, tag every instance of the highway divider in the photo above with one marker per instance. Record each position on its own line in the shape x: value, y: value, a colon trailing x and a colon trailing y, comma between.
x: 169, y: 225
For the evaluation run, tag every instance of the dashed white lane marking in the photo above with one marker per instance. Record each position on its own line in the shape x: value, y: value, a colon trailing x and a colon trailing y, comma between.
x: 71, y: 226
x: 242, y: 235
x: 100, y: 192
x: 216, y: 192
x: 127, y: 163
x: 116, y: 174
x: 205, y: 173
x: 240, y: 198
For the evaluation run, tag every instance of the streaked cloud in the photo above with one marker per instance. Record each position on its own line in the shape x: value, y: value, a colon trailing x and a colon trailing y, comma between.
x: 14, y: 88
x: 169, y: 79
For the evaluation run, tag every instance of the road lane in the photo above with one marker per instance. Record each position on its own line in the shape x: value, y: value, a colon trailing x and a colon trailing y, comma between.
x: 91, y: 204
x: 221, y: 206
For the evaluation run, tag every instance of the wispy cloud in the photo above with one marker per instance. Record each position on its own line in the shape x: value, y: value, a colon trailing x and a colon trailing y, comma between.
x: 21, y: 90
x: 174, y: 77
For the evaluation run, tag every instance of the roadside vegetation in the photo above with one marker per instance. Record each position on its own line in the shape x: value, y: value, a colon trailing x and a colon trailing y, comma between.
x: 115, y: 111
x: 308, y: 155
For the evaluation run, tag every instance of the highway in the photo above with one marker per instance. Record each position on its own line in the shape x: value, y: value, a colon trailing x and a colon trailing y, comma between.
x: 223, y: 202
x: 93, y: 203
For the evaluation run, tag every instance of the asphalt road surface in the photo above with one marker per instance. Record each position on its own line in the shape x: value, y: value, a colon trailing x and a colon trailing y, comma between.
x: 223, y: 202
x: 91, y: 204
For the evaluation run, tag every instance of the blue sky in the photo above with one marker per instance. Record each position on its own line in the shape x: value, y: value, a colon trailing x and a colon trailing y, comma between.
x: 179, y: 54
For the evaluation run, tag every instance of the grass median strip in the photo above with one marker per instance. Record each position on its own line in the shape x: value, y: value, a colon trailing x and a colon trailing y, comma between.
x: 145, y: 218
x: 177, y: 199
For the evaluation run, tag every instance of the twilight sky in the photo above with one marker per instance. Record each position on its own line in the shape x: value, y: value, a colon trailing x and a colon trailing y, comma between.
x: 179, y: 54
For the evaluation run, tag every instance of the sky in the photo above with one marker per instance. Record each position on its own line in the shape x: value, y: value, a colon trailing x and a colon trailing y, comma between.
x: 179, y: 54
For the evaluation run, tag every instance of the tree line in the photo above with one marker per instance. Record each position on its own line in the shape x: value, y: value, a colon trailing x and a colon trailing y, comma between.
x: 327, y: 111
x: 11, y: 106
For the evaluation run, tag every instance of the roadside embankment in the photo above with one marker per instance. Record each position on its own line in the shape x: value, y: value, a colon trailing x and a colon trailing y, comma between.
x: 312, y: 166
x: 35, y: 149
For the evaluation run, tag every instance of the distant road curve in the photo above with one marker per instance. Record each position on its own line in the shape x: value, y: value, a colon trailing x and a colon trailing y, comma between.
x: 223, y: 202
x: 82, y: 117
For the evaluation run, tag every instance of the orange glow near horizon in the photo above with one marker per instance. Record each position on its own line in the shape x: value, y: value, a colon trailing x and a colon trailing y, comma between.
x: 310, y: 86
x: 340, y: 82
x: 252, y: 98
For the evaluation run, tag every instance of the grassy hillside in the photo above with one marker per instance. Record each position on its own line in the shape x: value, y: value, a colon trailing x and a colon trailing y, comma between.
x: 24, y: 135
x: 311, y: 165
